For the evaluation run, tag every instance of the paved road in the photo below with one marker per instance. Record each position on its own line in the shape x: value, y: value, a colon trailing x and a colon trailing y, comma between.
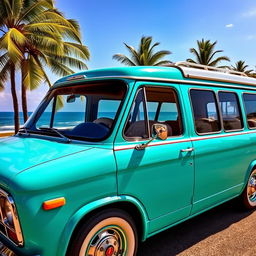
x: 224, y: 231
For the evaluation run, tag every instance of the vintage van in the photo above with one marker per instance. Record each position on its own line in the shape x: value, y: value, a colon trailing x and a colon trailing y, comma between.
x: 114, y: 156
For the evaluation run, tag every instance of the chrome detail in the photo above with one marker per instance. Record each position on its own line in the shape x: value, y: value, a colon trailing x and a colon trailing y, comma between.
x: 198, y: 71
x: 251, y: 189
x: 109, y: 237
x: 187, y: 150
x: 76, y: 77
x: 159, y: 131
x: 5, y: 226
x: 211, y: 68
x: 6, y: 251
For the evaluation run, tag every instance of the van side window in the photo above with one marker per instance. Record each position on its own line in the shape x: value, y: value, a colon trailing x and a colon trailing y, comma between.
x: 250, y: 109
x: 161, y: 107
x: 205, y: 111
x: 152, y: 110
x: 230, y: 109
x: 168, y: 111
x: 136, y: 126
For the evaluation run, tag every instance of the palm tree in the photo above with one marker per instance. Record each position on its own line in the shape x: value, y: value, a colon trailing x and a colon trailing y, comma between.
x: 205, y: 54
x: 241, y: 67
x: 144, y: 56
x: 33, y: 33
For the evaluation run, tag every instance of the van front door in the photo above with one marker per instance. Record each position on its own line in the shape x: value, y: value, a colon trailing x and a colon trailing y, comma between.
x: 161, y: 176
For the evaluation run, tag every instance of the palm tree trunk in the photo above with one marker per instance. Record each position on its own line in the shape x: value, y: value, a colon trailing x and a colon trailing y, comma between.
x: 24, y: 101
x: 15, y: 100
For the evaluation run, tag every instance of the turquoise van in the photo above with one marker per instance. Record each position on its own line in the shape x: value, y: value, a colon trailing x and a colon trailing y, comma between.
x: 114, y: 156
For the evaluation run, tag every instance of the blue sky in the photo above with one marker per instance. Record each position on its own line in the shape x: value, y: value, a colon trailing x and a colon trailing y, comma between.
x: 176, y: 24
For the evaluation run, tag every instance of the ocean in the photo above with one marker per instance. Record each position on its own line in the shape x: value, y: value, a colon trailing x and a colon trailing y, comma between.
x: 63, y: 119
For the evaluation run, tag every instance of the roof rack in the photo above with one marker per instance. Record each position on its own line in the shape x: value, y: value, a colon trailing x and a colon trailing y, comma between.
x: 210, y: 68
x: 203, y: 72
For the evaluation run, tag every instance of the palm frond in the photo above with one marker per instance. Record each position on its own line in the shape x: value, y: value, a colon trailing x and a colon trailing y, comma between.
x: 59, y: 68
x: 4, y: 75
x: 33, y: 8
x: 158, y: 56
x: 10, y: 42
x: 219, y: 59
x: 123, y: 59
x: 32, y: 73
x: 205, y: 53
x: 77, y: 50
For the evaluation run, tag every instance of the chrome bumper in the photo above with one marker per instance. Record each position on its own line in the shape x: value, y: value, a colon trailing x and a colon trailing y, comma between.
x: 4, y: 251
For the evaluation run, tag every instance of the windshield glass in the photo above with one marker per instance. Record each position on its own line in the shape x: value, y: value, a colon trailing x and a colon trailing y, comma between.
x: 86, y: 112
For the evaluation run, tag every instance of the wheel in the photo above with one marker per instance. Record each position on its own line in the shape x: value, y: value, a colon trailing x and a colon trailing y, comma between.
x: 109, y: 233
x: 249, y: 194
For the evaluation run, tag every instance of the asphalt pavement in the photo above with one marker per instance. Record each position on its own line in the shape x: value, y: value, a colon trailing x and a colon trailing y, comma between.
x: 227, y: 230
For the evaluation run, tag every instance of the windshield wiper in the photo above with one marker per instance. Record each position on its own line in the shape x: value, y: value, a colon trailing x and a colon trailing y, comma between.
x: 24, y: 130
x: 56, y: 131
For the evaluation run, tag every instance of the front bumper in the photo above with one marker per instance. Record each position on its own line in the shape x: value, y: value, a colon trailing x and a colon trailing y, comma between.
x: 5, y: 251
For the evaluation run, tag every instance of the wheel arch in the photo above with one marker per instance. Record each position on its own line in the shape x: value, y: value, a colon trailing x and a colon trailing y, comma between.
x: 251, y: 167
x: 127, y: 203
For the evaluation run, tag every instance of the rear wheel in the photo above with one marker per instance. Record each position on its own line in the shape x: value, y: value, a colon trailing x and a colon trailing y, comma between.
x: 109, y: 233
x: 249, y: 194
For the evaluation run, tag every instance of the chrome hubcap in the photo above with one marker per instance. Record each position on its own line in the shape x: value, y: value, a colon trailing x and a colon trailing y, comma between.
x: 109, y: 241
x: 251, y: 190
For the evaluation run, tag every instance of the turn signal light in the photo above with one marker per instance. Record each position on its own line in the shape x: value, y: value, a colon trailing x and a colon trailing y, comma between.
x: 54, y: 203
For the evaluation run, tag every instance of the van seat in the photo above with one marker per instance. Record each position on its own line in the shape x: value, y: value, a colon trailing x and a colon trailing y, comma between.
x: 232, y: 124
x: 251, y: 122
x: 205, y: 125
x: 176, y: 128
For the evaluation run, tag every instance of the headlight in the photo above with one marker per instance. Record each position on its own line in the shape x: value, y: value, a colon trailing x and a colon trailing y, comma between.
x: 9, y: 222
x: 7, y: 213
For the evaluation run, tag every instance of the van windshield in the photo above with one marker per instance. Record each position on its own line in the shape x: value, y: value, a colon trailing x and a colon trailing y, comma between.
x: 84, y: 112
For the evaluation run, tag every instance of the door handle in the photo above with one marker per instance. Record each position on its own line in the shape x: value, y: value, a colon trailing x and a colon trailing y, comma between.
x: 187, y: 150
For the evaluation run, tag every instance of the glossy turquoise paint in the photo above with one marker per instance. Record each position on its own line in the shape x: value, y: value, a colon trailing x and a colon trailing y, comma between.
x: 167, y: 187
x: 157, y: 172
x: 80, y: 180
x: 121, y: 72
x: 76, y: 218
x: 217, y: 175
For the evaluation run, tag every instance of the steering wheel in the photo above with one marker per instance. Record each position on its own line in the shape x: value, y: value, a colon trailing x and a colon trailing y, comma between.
x: 108, y: 122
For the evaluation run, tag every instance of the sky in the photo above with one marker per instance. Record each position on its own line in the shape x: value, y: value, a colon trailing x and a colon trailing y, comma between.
x: 176, y: 24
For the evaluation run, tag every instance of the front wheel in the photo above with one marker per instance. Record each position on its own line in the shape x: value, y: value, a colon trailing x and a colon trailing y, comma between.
x: 108, y: 233
x: 249, y: 194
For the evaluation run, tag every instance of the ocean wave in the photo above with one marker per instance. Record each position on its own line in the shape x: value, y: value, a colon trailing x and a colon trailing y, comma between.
x: 7, y: 128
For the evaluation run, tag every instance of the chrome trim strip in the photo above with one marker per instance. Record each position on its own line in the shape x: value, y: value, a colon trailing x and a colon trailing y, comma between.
x: 161, y: 143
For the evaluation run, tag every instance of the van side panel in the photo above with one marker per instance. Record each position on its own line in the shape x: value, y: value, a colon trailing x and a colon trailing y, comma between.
x: 221, y: 160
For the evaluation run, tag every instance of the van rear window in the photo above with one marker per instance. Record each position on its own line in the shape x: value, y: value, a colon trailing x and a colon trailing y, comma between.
x: 250, y: 108
x: 230, y: 109
x: 206, y: 115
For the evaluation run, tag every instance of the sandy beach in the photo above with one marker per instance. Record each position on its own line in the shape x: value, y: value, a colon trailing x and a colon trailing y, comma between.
x: 6, y: 133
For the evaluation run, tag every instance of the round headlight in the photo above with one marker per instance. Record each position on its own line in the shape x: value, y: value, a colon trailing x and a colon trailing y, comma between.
x: 7, y: 213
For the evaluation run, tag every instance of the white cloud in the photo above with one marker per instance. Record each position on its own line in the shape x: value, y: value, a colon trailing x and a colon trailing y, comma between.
x: 229, y: 25
x: 250, y: 13
x: 251, y: 37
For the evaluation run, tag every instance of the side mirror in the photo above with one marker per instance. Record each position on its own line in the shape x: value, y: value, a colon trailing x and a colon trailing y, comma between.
x: 160, y: 131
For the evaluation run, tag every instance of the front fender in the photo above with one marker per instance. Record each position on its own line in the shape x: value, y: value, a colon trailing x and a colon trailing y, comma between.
x: 83, y: 211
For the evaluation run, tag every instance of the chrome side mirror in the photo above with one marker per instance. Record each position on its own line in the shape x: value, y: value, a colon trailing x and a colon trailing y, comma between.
x: 159, y: 131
